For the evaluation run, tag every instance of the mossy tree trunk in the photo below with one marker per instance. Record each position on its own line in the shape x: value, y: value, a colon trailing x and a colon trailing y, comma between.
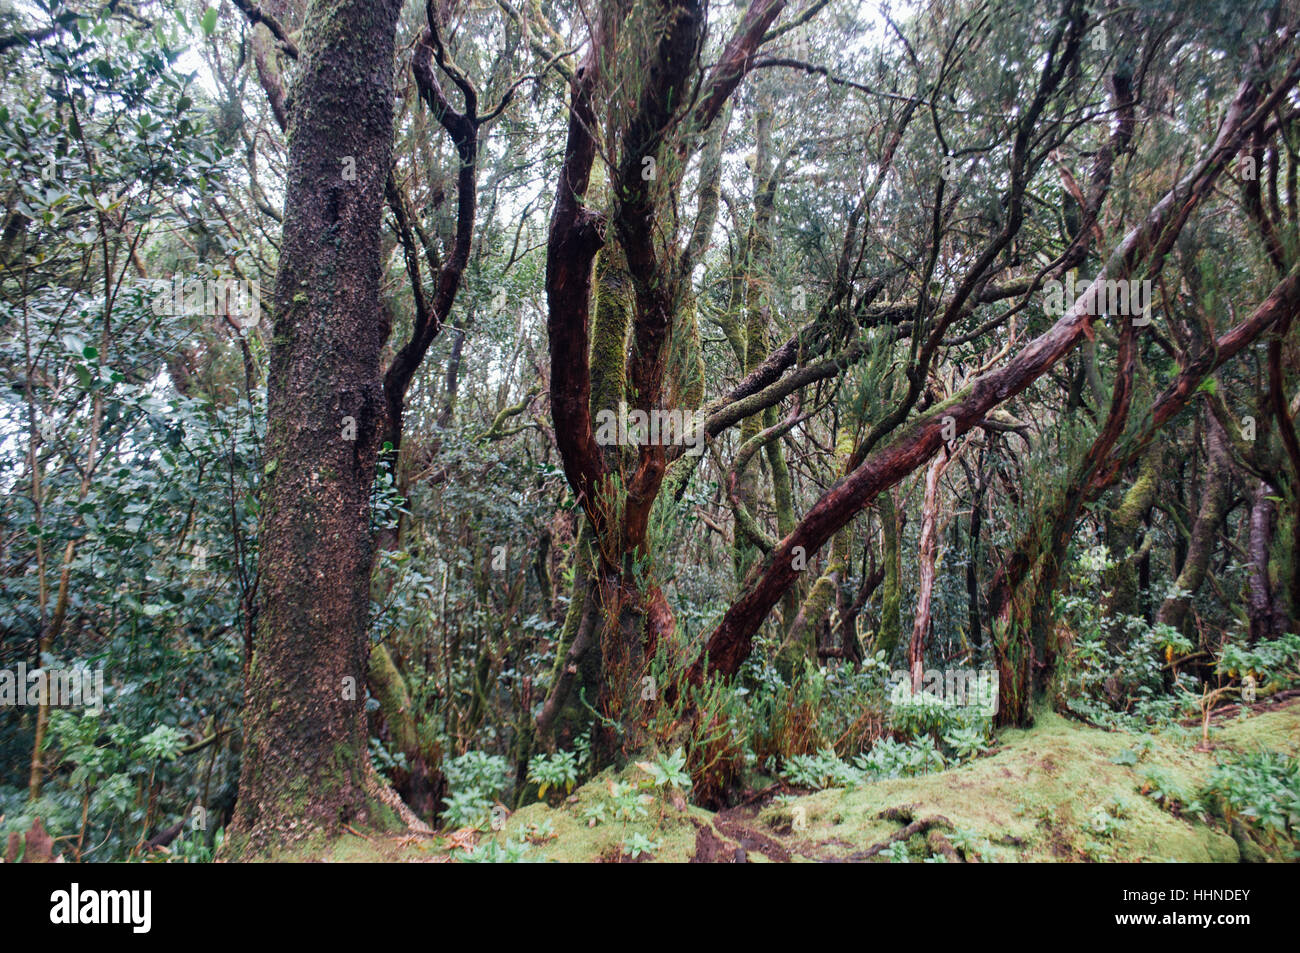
x: 1267, y: 617
x: 891, y: 595
x: 1023, y: 628
x: 1215, y: 496
x: 653, y: 138
x: 1121, y: 580
x: 305, y: 763
x: 758, y: 316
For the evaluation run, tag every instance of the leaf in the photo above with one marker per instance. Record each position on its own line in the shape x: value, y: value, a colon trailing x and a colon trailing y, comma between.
x: 209, y: 21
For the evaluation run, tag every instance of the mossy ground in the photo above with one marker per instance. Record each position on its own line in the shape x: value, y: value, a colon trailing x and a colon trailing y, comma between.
x: 1061, y: 791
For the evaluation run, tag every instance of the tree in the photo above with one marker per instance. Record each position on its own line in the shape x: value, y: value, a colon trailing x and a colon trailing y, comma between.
x: 305, y: 763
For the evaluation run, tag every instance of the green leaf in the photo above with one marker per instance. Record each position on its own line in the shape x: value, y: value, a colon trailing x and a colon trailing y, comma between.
x: 209, y: 21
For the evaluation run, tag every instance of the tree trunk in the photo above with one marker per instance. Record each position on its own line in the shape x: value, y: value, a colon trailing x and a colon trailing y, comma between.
x: 891, y: 596
x: 927, y: 556
x: 1267, y: 620
x: 1214, y: 504
x: 1121, y: 538
x: 305, y: 762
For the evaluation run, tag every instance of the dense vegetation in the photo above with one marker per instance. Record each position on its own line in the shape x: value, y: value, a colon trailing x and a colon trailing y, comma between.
x: 967, y: 330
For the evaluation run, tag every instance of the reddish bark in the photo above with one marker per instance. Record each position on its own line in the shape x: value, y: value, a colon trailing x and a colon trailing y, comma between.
x: 731, y: 642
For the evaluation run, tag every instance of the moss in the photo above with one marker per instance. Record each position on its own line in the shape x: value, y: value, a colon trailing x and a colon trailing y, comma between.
x: 891, y: 597
x: 1029, y: 802
x: 577, y: 841
x: 1034, y: 799
x: 1273, y: 730
x: 613, y: 306
x: 685, y: 368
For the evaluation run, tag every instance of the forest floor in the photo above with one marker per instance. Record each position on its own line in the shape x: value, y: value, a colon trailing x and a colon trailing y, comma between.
x: 1060, y: 791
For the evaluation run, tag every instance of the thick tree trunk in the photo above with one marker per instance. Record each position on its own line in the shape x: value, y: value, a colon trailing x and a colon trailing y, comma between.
x: 305, y: 763
x: 1121, y: 539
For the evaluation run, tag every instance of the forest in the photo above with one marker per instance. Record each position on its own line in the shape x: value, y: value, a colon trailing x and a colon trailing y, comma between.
x: 617, y: 431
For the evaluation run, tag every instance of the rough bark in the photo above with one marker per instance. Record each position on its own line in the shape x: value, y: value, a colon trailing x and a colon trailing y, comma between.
x: 305, y: 762
x: 891, y: 598
x: 1122, y: 540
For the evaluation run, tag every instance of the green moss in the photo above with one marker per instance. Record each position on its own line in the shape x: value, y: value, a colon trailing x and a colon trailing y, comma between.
x: 1037, y: 798
x: 613, y: 306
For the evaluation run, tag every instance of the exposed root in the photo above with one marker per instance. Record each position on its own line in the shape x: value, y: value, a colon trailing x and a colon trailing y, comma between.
x: 904, y: 815
x: 382, y: 792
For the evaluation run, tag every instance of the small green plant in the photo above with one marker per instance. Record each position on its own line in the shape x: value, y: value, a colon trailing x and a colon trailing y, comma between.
x: 626, y: 802
x: 1169, y: 793
x: 819, y: 771
x: 491, y: 852
x: 476, y: 780
x: 558, y: 771
x: 636, y: 844
x: 893, y: 759
x: 969, y: 842
x: 967, y: 743
x: 386, y: 761
x: 540, y: 832
x: 1265, y: 661
x: 668, y: 771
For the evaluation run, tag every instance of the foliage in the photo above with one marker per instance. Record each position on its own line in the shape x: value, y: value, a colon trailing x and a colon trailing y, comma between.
x: 476, y: 780
x: 1262, y: 788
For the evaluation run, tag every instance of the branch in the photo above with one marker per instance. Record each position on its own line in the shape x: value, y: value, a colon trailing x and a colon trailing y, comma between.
x: 255, y: 16
x: 731, y: 642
